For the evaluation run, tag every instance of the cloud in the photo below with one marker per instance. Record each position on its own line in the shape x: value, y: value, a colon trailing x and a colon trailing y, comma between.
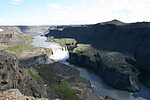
x: 85, y: 12
x: 54, y: 6
x: 16, y: 2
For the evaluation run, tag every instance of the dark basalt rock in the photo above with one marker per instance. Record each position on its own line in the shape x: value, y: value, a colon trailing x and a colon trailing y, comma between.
x: 112, y: 66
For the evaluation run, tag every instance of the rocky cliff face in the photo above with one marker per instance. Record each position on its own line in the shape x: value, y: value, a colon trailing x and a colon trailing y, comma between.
x: 118, y: 70
x: 33, y: 61
x: 131, y: 38
x: 13, y: 77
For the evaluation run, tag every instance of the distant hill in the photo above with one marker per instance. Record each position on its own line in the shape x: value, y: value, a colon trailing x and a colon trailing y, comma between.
x: 115, y: 22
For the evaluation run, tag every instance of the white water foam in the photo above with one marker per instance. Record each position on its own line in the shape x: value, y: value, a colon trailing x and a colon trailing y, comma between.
x: 59, y: 52
x: 1, y: 30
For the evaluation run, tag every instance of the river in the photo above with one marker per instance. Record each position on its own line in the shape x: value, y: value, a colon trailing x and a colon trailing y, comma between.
x: 98, y: 85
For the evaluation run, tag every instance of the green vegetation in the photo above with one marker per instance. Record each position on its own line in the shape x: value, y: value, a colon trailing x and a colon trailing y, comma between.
x: 82, y: 48
x: 32, y: 73
x: 26, y: 39
x: 21, y: 48
x: 65, y: 91
x: 45, y: 73
x: 62, y: 41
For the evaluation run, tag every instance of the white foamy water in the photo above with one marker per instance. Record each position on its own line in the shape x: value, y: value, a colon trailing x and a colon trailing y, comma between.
x: 1, y: 30
x: 58, y: 52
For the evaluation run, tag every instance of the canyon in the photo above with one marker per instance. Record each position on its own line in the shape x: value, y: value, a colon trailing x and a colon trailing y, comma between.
x: 119, y: 53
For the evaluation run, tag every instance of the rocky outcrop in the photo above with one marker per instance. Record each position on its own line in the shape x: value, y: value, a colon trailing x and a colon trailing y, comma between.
x: 33, y: 61
x: 118, y: 70
x: 13, y: 77
x: 14, y: 94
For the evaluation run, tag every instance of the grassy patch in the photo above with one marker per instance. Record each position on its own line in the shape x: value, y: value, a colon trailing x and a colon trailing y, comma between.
x: 32, y: 73
x: 26, y: 39
x: 65, y: 91
x: 62, y: 41
x: 82, y: 48
x: 21, y: 48
x: 45, y: 73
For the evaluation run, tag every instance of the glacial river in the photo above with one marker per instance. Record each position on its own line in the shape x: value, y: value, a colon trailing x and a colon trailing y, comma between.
x: 61, y: 54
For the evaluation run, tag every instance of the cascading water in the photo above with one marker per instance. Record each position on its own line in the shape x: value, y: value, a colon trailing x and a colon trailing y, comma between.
x: 59, y: 53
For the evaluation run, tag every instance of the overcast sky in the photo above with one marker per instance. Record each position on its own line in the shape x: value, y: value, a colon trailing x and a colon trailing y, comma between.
x: 58, y: 12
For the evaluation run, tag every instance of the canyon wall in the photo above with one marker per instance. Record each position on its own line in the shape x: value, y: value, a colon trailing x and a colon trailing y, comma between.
x: 132, y: 39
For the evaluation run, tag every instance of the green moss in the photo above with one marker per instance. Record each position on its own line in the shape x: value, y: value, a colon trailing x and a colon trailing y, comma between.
x: 45, y: 73
x: 82, y: 48
x: 62, y: 41
x: 21, y: 48
x: 32, y: 74
x: 65, y: 92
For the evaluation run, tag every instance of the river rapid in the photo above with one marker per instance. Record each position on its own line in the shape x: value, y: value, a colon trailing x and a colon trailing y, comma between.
x: 60, y: 53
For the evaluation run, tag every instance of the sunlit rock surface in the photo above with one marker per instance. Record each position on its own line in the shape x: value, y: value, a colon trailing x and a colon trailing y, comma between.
x: 14, y: 94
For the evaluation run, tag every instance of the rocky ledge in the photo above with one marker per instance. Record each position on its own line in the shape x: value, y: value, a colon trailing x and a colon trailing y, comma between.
x: 118, y: 70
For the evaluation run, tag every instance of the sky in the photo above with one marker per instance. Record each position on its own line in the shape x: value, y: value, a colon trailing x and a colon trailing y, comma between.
x: 65, y: 12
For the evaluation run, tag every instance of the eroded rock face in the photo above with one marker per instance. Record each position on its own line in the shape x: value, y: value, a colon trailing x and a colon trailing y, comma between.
x: 33, y: 61
x: 117, y: 70
x: 14, y: 94
x: 13, y: 77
